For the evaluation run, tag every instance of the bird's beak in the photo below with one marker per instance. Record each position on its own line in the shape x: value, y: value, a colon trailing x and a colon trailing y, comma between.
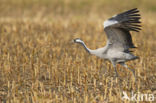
x: 73, y: 41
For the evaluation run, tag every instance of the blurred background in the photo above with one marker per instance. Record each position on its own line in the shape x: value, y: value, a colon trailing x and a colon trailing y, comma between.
x: 67, y: 9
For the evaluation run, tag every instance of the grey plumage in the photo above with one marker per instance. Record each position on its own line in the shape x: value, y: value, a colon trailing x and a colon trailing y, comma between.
x: 119, y: 39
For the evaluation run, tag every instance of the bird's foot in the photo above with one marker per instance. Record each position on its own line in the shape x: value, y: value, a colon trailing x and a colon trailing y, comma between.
x: 133, y: 71
x: 116, y: 74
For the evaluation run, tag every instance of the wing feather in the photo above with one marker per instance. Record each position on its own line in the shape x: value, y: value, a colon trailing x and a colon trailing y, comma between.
x: 118, y: 29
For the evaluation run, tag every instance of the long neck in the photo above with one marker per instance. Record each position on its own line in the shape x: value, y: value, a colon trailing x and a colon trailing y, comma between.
x: 87, y: 49
x: 100, y: 52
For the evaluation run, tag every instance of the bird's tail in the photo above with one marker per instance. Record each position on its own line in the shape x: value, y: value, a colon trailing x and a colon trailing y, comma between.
x: 135, y: 57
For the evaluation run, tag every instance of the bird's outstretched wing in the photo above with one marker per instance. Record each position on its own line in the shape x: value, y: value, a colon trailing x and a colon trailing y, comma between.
x: 118, y: 29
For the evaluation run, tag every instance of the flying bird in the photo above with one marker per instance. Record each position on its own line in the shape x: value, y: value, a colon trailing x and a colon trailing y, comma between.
x: 119, y: 40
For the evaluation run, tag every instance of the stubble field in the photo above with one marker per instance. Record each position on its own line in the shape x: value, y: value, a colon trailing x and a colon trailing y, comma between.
x: 40, y: 64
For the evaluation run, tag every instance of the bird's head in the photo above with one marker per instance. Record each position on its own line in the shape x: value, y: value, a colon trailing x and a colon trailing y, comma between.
x: 77, y: 40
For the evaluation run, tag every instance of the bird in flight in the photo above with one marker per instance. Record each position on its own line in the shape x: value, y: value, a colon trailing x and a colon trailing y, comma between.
x: 119, y: 40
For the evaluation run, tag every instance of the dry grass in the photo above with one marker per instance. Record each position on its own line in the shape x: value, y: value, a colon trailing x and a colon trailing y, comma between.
x: 39, y: 64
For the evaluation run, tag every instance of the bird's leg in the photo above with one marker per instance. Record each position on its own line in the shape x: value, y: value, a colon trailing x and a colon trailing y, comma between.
x: 114, y: 66
x: 124, y: 65
x: 116, y: 73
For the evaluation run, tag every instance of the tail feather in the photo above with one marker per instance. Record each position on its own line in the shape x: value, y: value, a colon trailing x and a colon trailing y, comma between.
x: 135, y: 57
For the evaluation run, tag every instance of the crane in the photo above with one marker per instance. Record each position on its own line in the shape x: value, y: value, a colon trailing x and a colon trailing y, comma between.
x: 119, y: 40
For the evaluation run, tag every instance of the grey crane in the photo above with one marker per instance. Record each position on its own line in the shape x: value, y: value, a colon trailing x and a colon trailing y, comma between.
x: 119, y: 39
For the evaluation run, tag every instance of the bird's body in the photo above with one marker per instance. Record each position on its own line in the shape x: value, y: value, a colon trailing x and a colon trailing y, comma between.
x: 119, y: 38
